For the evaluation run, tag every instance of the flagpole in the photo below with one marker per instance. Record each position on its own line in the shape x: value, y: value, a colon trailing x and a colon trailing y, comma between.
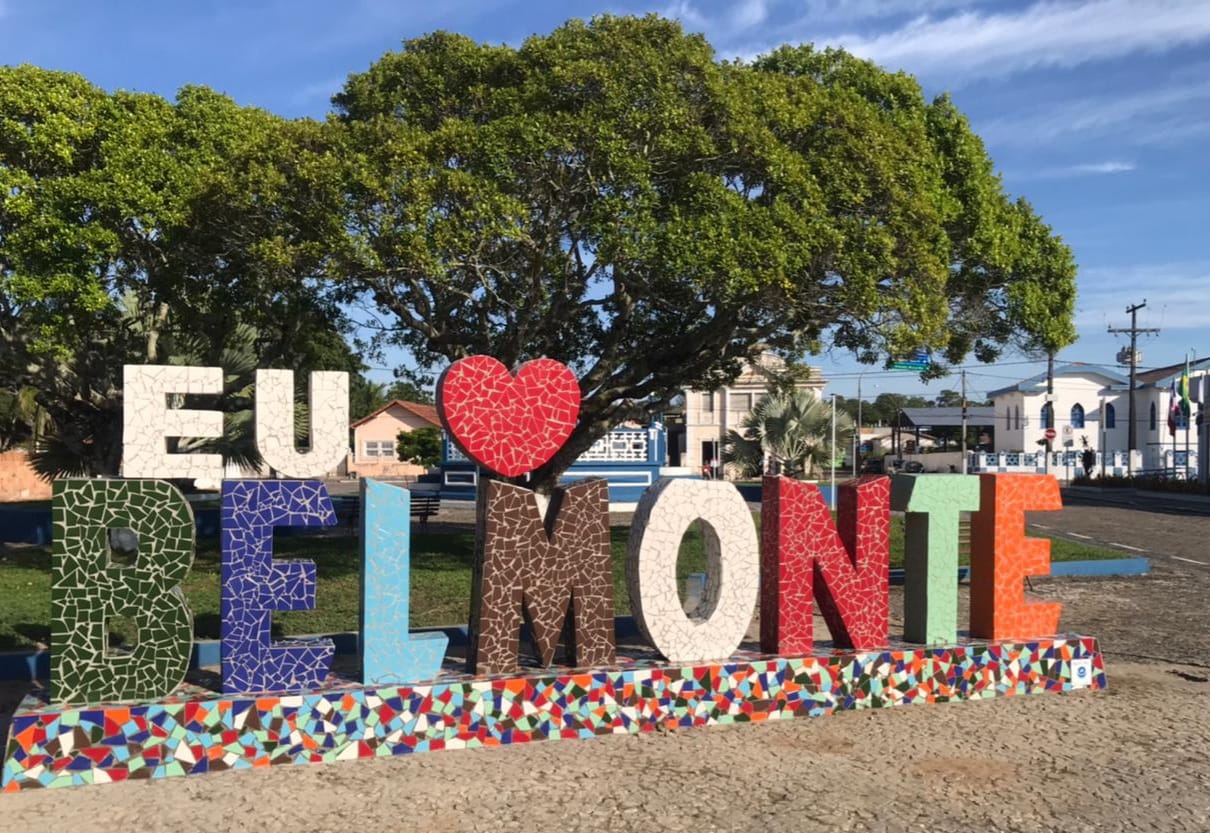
x: 833, y: 455
x: 1187, y: 410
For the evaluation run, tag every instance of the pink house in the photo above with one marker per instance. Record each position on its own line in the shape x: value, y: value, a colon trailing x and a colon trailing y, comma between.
x: 374, y: 439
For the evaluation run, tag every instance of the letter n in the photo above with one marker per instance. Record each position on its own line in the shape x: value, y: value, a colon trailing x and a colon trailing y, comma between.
x: 806, y: 559
x: 530, y: 568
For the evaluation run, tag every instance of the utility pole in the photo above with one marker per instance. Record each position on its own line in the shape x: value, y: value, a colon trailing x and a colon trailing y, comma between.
x: 1050, y: 402
x: 1133, y: 331
x: 857, y: 436
x: 964, y: 420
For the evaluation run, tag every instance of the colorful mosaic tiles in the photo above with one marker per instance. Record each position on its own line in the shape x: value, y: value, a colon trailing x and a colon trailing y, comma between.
x: 88, y: 589
x: 843, y: 566
x: 1002, y: 557
x: 205, y: 733
x: 328, y: 408
x: 389, y: 654
x: 254, y: 585
x: 663, y: 516
x: 932, y: 507
x: 542, y: 566
x: 508, y: 423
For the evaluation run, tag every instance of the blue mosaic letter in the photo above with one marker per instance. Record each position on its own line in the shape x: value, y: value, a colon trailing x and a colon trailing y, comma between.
x: 254, y: 585
x: 388, y: 653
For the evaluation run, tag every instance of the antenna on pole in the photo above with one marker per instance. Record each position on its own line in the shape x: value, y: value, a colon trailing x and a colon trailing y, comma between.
x: 1133, y: 331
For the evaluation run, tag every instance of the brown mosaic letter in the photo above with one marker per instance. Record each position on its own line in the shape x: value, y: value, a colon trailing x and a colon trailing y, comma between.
x: 534, y: 567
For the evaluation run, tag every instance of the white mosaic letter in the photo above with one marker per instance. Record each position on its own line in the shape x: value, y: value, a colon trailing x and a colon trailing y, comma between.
x: 329, y: 405
x: 147, y: 422
x: 717, y: 626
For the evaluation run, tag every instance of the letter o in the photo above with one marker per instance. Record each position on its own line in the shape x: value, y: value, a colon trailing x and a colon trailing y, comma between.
x: 732, y: 558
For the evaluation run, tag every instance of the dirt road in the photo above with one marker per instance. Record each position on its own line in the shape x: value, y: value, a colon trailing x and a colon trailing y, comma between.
x: 1134, y: 758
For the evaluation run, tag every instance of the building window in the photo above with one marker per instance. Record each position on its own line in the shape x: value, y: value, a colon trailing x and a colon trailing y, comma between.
x: 708, y: 403
x: 1152, y: 421
x: 1111, y: 417
x: 743, y: 402
x: 1077, y: 415
x: 1182, y: 421
x: 1017, y: 416
x: 379, y: 448
x: 1048, y: 416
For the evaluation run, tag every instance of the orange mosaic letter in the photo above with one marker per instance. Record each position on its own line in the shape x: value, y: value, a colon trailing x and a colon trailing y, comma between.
x: 1002, y: 557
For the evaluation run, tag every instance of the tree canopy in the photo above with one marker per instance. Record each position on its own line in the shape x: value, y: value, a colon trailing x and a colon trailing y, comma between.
x: 612, y: 196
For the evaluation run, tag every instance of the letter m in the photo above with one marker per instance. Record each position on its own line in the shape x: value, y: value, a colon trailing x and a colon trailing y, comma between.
x: 535, y: 569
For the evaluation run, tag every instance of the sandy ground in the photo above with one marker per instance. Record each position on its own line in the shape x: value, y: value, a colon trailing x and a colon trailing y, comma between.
x: 1135, y: 757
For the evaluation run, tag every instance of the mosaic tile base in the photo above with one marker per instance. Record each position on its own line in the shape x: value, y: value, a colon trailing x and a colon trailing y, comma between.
x: 194, y: 733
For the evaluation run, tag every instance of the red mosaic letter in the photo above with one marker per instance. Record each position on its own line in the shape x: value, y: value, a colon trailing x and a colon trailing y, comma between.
x: 1002, y: 557
x: 804, y: 557
x: 522, y: 570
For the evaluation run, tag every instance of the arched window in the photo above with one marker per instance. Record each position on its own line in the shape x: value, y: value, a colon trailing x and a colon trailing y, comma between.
x: 1152, y: 423
x: 1111, y: 417
x: 1077, y: 415
x: 1048, y: 416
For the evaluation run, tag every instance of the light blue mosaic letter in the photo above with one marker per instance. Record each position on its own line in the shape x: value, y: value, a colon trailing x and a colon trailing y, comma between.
x: 389, y: 654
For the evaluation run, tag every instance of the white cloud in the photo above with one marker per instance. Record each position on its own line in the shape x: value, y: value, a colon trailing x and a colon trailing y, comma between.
x: 1083, y: 169
x: 1176, y: 294
x: 743, y: 15
x: 1173, y: 113
x: 1045, y: 34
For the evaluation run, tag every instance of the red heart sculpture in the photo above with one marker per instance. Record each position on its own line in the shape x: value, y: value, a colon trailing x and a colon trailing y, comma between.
x: 508, y: 423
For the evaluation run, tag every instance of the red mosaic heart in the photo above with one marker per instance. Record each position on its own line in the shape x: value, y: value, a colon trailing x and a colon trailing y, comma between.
x: 508, y: 423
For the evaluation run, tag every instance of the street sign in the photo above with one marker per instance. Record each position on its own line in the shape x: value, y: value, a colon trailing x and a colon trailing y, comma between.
x: 920, y: 361
x: 1050, y: 433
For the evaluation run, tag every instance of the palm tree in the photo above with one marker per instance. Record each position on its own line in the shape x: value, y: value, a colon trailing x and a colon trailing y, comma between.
x: 789, y: 433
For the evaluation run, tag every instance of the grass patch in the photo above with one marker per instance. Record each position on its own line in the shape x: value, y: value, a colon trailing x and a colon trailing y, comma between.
x: 440, y: 592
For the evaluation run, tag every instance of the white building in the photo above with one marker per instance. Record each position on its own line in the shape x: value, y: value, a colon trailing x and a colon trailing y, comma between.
x: 1090, y: 407
x: 710, y: 414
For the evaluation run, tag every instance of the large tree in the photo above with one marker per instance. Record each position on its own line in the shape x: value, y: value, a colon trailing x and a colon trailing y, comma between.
x: 612, y: 196
x: 134, y: 229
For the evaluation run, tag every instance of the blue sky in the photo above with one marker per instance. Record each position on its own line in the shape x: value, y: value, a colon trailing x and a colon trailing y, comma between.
x: 1098, y: 111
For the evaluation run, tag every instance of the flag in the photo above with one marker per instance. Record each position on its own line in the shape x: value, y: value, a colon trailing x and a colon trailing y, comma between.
x: 1174, y: 408
x: 1186, y: 408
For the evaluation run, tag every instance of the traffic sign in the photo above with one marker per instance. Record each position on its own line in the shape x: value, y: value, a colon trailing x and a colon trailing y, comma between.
x: 1050, y: 433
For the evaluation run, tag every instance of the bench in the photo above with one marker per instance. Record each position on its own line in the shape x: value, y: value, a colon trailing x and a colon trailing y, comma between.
x: 424, y: 506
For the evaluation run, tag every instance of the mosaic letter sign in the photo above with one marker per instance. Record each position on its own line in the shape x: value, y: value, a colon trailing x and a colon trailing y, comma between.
x: 388, y: 652
x: 329, y: 412
x: 933, y: 507
x: 255, y: 585
x: 522, y: 570
x: 88, y: 589
x: 148, y: 422
x: 664, y: 514
x: 842, y: 567
x: 508, y: 423
x: 1002, y: 557
x: 542, y: 562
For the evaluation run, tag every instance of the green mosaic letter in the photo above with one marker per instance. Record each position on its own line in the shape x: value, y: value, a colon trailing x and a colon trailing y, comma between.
x: 933, y: 504
x: 88, y: 589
